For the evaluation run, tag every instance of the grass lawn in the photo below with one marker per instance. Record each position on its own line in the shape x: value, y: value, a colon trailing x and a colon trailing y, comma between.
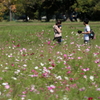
x: 33, y: 67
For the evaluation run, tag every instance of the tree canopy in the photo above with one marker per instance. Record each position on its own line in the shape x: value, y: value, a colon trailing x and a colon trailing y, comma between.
x: 87, y: 8
x: 37, y: 8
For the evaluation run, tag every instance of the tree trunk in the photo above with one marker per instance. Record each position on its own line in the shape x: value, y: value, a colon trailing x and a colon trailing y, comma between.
x: 10, y: 14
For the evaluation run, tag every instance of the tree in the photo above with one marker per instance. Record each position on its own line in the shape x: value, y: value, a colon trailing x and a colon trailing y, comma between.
x: 86, y: 8
x: 2, y: 9
x: 28, y: 8
x: 96, y: 11
x: 56, y: 7
x: 10, y: 6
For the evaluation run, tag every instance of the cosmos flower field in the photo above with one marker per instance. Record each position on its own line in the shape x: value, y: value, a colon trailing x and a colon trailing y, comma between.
x: 33, y: 67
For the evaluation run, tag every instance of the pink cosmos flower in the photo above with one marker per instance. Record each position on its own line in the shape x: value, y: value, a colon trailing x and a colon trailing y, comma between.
x: 82, y: 73
x: 85, y: 76
x: 12, y: 64
x: 49, y: 60
x: 24, y: 49
x: 53, y: 65
x: 70, y: 58
x: 67, y: 88
x: 98, y: 65
x: 87, y: 50
x: 73, y: 86
x: 7, y: 86
x: 34, y: 75
x: 71, y: 79
x: 58, y: 52
x: 24, y: 92
x: 50, y: 68
x: 49, y: 42
x: 23, y: 95
x: 35, y: 72
x: 32, y: 54
x: 79, y: 58
x: 72, y: 43
x: 90, y: 98
x: 97, y: 61
x: 65, y: 56
x: 45, y: 74
x: 85, y: 69
x: 51, y: 87
x: 18, y: 45
x: 68, y: 72
x: 68, y: 67
x: 82, y: 89
x: 0, y: 78
x: 98, y: 89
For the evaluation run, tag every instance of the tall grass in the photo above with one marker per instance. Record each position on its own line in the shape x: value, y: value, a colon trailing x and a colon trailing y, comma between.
x: 33, y: 67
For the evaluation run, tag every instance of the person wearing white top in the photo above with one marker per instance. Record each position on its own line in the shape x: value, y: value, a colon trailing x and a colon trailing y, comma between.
x: 86, y: 31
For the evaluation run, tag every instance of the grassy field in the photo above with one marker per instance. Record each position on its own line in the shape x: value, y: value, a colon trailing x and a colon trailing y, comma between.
x: 33, y: 67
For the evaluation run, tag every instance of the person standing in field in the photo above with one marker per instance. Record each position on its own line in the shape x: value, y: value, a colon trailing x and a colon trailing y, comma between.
x: 57, y: 31
x: 86, y: 31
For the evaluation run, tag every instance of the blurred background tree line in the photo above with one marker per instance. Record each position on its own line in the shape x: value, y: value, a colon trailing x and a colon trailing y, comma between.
x: 49, y: 9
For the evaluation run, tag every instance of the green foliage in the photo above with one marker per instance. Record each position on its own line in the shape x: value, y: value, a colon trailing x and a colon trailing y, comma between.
x: 97, y: 6
x: 29, y: 8
x: 87, y: 7
x: 36, y: 8
x: 2, y: 9
x: 83, y: 5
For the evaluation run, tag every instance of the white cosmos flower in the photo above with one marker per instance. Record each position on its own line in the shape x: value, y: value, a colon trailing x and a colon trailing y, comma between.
x: 1, y: 65
x: 66, y: 78
x: 30, y: 49
x: 51, y: 90
x: 59, y: 77
x: 6, y: 68
x: 65, y: 98
x: 92, y: 78
x: 65, y: 42
x: 16, y: 59
x: 4, y: 83
x: 25, y: 65
x: 79, y: 49
x: 36, y: 67
x: 67, y: 85
x: 14, y: 78
x: 17, y: 71
x: 85, y: 76
x: 0, y: 92
x: 10, y: 55
x: 41, y: 64
x: 22, y: 98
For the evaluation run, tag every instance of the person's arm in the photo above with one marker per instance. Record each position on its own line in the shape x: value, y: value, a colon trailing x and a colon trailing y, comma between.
x: 56, y: 27
x: 87, y: 30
